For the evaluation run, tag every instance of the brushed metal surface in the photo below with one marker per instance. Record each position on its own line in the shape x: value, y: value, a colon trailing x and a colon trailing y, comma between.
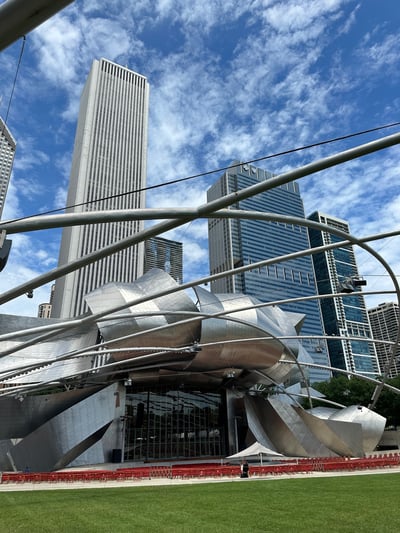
x: 68, y: 407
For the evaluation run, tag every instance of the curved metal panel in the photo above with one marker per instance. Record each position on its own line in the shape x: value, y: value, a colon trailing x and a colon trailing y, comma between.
x: 145, y: 316
x: 230, y: 341
x: 20, y: 416
x: 43, y: 354
x: 239, y: 321
x: 372, y: 424
x: 57, y: 442
x: 343, y: 438
x: 284, y: 428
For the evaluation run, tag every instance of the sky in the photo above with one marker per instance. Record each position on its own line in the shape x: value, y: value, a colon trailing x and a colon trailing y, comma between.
x: 229, y: 80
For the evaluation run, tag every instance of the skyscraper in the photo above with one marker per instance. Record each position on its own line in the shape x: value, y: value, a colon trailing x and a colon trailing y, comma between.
x: 165, y: 254
x: 108, y: 172
x: 7, y: 153
x: 237, y: 242
x: 384, y: 320
x: 336, y: 271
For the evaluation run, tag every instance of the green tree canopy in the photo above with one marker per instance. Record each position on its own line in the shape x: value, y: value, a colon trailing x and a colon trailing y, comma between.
x: 356, y: 391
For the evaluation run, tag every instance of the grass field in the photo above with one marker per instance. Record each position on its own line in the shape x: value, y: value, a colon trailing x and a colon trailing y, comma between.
x: 354, y: 504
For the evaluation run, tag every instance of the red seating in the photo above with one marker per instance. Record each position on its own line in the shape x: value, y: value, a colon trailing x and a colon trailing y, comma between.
x: 203, y: 470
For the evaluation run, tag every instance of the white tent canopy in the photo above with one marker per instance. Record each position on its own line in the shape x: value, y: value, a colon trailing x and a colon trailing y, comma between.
x: 255, y: 449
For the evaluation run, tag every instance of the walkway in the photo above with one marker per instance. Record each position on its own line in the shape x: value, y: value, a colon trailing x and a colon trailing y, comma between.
x: 196, y: 473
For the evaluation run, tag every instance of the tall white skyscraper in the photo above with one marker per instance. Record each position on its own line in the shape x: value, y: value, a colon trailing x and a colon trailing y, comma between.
x: 108, y: 168
x: 7, y: 152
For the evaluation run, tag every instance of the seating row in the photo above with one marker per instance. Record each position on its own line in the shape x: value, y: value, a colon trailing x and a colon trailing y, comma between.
x: 205, y: 470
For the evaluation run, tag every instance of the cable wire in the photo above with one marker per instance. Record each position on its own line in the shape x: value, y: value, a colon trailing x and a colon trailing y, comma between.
x: 15, y: 78
x: 209, y: 172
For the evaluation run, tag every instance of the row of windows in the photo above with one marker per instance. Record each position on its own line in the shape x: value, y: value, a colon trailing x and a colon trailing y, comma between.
x: 283, y: 273
x: 358, y: 330
x: 124, y: 74
x: 364, y: 364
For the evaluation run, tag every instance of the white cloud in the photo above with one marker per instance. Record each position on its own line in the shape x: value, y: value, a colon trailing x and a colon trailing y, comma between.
x: 27, y: 156
x: 11, y: 207
x: 290, y: 17
x: 67, y: 44
x: 197, y: 15
x: 25, y: 262
x: 58, y: 44
x: 229, y: 80
x: 381, y: 54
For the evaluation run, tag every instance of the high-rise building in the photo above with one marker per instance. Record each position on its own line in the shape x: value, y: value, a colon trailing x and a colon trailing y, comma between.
x: 7, y: 153
x: 108, y: 172
x: 346, y: 317
x: 44, y: 309
x: 237, y: 242
x: 166, y: 255
x: 384, y: 320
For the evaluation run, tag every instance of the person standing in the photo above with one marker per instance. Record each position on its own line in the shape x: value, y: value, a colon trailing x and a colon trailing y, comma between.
x: 244, y: 469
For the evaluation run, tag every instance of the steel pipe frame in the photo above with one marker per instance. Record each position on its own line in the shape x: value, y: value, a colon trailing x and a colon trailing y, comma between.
x: 196, y: 317
x: 44, y: 222
x: 78, y: 322
x: 262, y: 216
x: 94, y: 349
x: 346, y: 372
x: 27, y: 388
x: 207, y: 209
x: 18, y: 17
x: 70, y: 324
x: 159, y: 350
x: 341, y: 371
x: 85, y: 352
x: 55, y: 329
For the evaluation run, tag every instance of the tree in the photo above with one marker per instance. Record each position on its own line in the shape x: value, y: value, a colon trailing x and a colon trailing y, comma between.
x: 340, y: 389
x: 356, y: 391
x: 388, y: 404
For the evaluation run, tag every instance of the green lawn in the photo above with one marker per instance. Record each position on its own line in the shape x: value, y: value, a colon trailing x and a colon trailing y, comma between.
x: 353, y: 504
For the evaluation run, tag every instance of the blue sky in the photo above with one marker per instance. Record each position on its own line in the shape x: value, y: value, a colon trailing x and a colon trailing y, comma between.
x: 229, y: 80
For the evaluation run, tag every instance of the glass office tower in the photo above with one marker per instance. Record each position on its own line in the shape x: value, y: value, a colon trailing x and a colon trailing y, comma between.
x: 336, y: 272
x: 237, y: 242
x: 165, y: 254
x: 108, y: 172
x: 384, y: 320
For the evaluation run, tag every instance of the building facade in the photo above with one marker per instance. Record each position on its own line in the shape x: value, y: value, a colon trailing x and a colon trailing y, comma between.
x: 345, y: 317
x: 166, y: 255
x: 7, y: 153
x: 44, y: 309
x: 384, y: 320
x: 108, y: 172
x: 237, y: 242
